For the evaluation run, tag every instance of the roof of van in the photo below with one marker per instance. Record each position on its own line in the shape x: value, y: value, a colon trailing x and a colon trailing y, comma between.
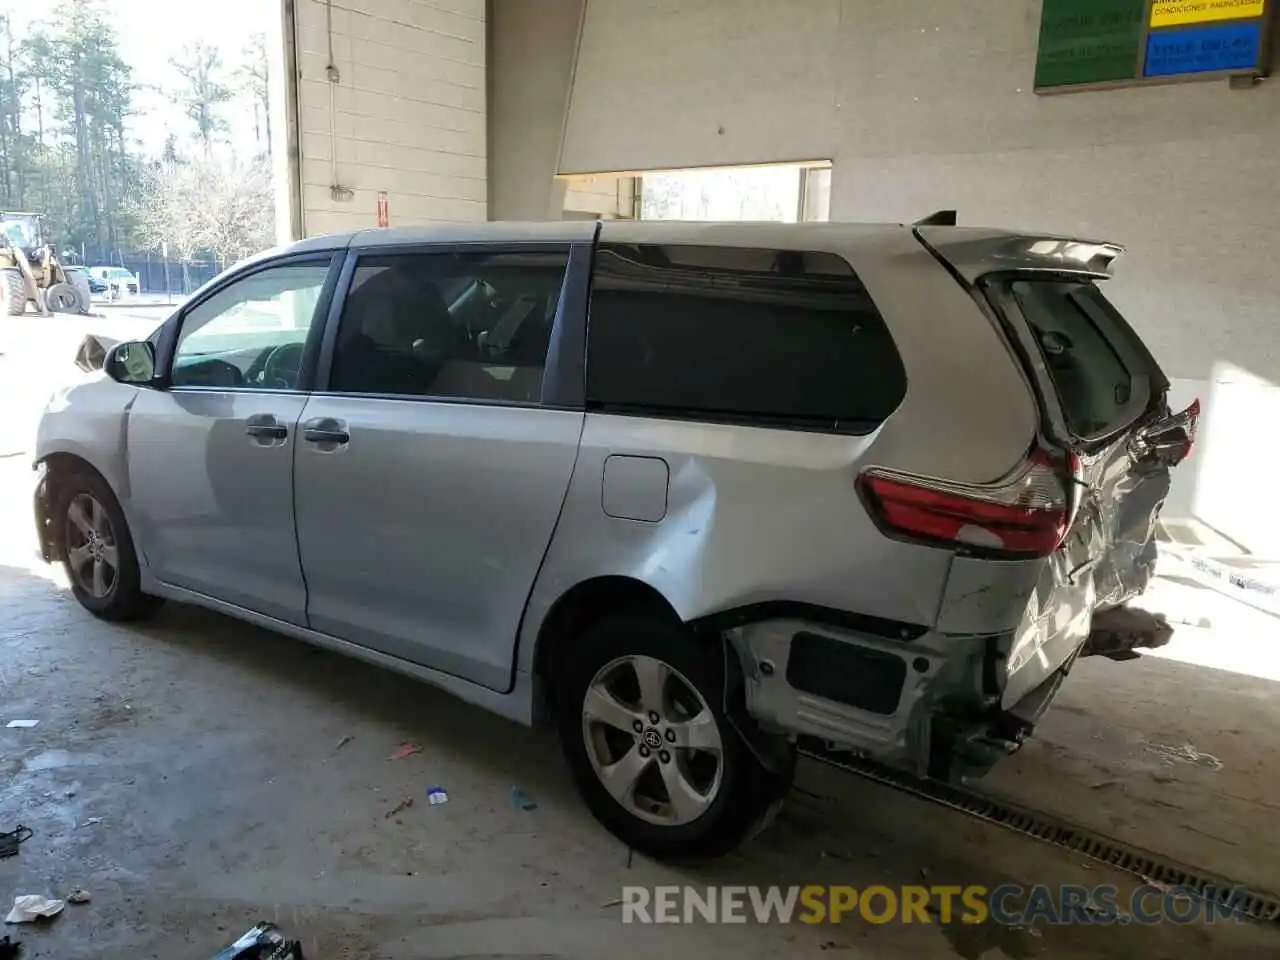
x: 972, y: 250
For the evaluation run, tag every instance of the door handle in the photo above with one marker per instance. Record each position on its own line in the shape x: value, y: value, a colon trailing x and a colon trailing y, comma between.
x: 326, y: 430
x: 264, y: 426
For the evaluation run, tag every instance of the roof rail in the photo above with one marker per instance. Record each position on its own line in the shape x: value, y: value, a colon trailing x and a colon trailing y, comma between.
x: 939, y: 218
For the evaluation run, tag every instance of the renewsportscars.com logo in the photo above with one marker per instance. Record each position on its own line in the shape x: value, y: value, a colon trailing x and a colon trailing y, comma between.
x: 1009, y: 904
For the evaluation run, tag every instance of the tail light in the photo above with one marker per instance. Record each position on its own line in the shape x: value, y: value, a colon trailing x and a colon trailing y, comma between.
x: 1190, y: 419
x: 1025, y: 515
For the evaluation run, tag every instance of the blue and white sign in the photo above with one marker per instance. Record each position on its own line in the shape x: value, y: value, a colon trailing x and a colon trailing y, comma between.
x: 1203, y: 49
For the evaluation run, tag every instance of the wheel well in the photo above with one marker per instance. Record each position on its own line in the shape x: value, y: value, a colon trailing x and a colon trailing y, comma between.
x: 65, y: 464
x: 60, y: 466
x: 581, y: 607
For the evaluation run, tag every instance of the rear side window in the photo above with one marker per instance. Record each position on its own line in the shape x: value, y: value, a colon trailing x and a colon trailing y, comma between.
x: 769, y: 337
x: 473, y: 326
x: 1100, y: 370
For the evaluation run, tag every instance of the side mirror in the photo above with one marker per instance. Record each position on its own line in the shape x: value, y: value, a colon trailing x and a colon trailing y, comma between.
x: 133, y: 361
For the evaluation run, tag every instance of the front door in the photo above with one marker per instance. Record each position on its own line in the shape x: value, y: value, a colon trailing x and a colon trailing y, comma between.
x: 430, y: 475
x: 211, y: 456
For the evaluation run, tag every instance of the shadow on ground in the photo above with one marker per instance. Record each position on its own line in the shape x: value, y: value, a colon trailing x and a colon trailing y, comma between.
x: 197, y: 775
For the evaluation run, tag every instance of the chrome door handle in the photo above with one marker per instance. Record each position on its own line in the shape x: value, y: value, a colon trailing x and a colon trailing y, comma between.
x: 264, y: 426
x: 326, y: 430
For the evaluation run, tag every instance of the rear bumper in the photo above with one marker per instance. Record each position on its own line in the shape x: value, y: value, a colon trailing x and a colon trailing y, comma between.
x: 929, y: 703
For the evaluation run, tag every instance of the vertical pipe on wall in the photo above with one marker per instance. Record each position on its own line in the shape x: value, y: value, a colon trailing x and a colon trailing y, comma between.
x: 282, y: 93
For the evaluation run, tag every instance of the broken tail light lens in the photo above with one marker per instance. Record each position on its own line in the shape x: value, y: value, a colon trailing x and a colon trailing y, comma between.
x: 1026, y: 515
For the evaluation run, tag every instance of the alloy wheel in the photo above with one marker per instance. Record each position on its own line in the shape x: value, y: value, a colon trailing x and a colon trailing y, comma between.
x: 93, y: 555
x: 652, y: 740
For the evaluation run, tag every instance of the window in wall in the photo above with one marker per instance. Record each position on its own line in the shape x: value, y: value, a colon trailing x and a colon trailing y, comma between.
x: 471, y: 325
x: 782, y: 193
x: 783, y: 337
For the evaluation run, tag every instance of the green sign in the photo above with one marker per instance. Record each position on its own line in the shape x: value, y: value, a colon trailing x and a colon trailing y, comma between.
x: 1089, y: 41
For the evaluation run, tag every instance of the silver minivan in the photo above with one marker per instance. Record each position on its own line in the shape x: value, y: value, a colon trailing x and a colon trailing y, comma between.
x: 693, y: 493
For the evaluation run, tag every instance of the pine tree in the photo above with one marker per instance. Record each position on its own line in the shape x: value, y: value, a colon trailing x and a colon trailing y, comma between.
x: 203, y: 90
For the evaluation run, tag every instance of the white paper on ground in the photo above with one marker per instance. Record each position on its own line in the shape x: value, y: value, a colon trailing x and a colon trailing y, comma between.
x: 32, y: 906
x: 22, y: 724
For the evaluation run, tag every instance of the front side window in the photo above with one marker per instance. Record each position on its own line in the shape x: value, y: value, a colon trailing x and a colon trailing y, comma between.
x: 472, y: 326
x: 253, y: 332
x: 769, y: 337
x: 1100, y: 371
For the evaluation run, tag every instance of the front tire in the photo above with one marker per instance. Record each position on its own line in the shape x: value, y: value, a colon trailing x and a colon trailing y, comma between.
x: 13, y: 292
x: 643, y: 726
x: 97, y: 550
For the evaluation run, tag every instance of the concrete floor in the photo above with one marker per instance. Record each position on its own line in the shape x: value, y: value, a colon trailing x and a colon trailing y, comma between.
x: 188, y: 773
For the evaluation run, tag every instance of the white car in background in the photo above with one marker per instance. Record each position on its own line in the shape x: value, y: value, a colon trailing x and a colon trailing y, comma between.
x: 121, y: 284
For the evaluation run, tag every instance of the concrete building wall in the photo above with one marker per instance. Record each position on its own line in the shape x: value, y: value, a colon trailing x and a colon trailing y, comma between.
x: 534, y: 45
x: 407, y: 114
x: 922, y: 106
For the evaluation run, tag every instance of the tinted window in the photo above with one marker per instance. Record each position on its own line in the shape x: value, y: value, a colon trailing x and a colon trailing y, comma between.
x: 1099, y: 369
x: 251, y: 333
x: 765, y: 336
x: 470, y: 325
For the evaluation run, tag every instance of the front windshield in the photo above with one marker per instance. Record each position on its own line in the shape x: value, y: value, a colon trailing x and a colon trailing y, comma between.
x: 21, y: 231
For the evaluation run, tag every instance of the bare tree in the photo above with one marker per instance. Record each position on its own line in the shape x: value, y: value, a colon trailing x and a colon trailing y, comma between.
x: 170, y: 212
x: 212, y: 202
x: 239, y: 215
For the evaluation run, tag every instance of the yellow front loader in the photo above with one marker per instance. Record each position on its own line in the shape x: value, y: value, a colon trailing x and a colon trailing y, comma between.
x: 31, y: 272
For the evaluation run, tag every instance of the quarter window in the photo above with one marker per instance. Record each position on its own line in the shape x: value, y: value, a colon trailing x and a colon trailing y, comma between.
x: 252, y: 333
x: 785, y: 337
x: 471, y: 326
x: 1099, y: 369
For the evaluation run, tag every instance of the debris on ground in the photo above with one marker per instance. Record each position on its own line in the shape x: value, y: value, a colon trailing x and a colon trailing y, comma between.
x: 78, y: 895
x: 21, y: 724
x: 400, y: 807
x: 521, y: 800
x: 436, y: 796
x: 1184, y: 753
x: 1117, y: 633
x: 30, y: 907
x: 611, y: 903
x: 11, y: 841
x: 339, y: 745
x: 1164, y: 887
x: 9, y: 949
x: 263, y: 942
x: 406, y: 749
x: 92, y: 822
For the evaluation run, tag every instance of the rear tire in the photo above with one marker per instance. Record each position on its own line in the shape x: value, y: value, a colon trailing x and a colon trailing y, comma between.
x: 97, y: 550
x: 64, y: 298
x: 13, y: 292
x: 715, y: 798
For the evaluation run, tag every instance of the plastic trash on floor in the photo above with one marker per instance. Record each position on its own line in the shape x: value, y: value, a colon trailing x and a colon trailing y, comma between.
x: 263, y: 942
x: 31, y: 906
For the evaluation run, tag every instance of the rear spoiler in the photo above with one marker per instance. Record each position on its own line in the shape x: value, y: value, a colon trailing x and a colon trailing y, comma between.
x: 974, y: 252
